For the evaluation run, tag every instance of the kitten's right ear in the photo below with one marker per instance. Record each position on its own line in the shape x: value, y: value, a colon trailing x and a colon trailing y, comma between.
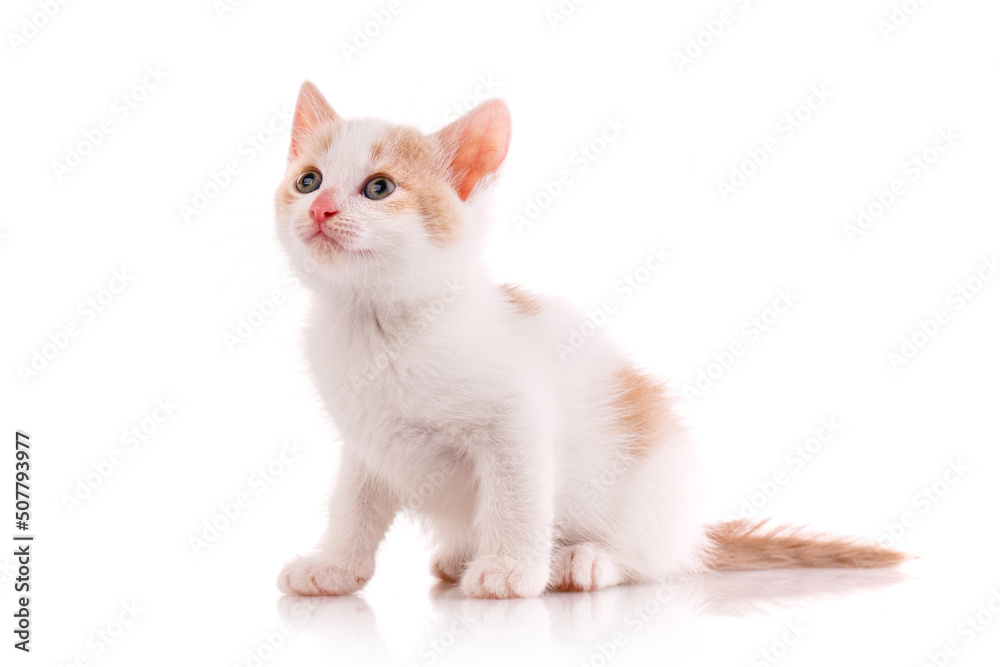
x: 311, y: 110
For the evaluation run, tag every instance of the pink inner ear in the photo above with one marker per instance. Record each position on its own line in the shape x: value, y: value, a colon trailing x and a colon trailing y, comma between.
x: 482, y: 137
x: 311, y: 110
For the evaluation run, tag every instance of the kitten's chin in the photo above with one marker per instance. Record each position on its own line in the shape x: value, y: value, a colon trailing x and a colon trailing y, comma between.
x: 325, y: 243
x: 330, y: 248
x: 325, y: 253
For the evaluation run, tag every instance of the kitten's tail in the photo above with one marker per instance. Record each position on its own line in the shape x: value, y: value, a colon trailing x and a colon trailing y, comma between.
x: 748, y: 545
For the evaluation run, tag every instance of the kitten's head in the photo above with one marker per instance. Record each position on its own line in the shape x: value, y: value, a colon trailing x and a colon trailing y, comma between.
x: 363, y: 196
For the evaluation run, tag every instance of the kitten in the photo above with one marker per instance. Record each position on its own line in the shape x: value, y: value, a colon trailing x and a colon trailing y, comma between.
x: 531, y: 473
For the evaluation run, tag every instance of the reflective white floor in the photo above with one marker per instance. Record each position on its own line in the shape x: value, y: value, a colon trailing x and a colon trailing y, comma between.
x: 759, y: 618
x: 224, y: 609
x: 792, y: 617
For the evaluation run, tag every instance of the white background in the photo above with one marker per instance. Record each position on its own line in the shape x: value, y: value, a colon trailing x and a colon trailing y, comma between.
x: 227, y: 75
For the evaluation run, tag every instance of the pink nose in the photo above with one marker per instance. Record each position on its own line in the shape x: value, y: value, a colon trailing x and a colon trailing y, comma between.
x: 323, y: 207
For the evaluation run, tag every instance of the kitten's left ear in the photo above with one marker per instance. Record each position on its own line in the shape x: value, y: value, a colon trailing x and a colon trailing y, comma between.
x: 311, y: 110
x: 477, y: 145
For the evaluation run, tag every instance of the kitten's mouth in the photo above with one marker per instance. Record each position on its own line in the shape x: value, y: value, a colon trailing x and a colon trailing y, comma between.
x: 321, y: 238
x: 327, y: 240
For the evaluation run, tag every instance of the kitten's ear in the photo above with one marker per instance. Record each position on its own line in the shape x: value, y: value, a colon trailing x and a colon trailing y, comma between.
x: 311, y: 110
x: 476, y: 145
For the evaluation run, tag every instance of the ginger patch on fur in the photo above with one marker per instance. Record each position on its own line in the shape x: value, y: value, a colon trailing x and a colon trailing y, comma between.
x: 521, y: 299
x: 415, y: 163
x: 643, y: 407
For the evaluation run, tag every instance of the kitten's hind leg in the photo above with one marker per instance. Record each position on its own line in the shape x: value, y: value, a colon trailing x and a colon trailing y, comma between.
x: 455, y: 550
x: 451, y: 529
x: 586, y: 566
x: 448, y: 565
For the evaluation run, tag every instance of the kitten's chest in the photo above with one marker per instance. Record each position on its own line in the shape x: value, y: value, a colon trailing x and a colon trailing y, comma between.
x: 399, y: 388
x: 374, y: 371
x: 397, y: 403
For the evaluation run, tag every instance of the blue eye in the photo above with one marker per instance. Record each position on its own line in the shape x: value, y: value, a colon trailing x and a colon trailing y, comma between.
x: 379, y: 187
x: 308, y: 181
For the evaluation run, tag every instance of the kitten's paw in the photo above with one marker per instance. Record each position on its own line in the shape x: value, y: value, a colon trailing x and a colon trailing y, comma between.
x: 448, y: 567
x: 503, y: 577
x: 582, y: 567
x: 312, y: 575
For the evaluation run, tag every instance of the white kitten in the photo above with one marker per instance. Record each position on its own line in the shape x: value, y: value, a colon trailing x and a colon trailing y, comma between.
x: 532, y: 473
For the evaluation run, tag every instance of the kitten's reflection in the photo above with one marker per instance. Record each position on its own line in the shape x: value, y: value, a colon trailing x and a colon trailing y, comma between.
x: 343, y: 625
x: 574, y: 624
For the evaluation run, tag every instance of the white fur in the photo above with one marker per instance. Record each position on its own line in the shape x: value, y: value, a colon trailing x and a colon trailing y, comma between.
x: 455, y: 406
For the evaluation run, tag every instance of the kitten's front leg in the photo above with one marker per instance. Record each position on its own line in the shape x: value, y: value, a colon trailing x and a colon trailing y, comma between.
x: 514, y: 519
x: 361, y: 510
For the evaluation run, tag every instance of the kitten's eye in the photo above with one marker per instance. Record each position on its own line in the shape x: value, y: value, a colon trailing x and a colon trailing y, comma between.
x: 379, y: 188
x: 308, y: 181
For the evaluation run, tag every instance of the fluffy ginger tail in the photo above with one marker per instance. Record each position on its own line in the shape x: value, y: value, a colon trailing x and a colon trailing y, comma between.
x: 747, y: 545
